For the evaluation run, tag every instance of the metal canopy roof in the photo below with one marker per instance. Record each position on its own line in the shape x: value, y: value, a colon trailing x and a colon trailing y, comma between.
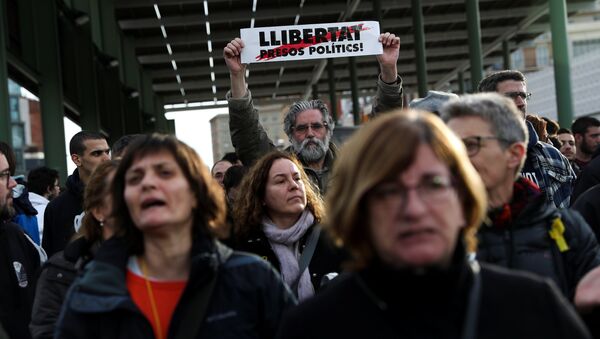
x: 186, y: 63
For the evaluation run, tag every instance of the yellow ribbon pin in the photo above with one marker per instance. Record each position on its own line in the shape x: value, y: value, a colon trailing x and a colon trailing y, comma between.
x: 557, y: 233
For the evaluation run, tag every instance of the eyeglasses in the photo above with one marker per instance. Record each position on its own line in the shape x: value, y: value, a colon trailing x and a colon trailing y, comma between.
x: 473, y: 144
x: 5, y: 177
x: 513, y: 95
x: 317, y: 127
x: 431, y: 189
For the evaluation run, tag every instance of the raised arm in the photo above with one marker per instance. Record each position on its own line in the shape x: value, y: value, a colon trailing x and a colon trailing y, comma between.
x: 389, y: 83
x: 247, y: 135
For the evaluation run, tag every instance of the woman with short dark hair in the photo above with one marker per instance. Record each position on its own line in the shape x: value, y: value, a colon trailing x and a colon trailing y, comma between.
x: 164, y: 274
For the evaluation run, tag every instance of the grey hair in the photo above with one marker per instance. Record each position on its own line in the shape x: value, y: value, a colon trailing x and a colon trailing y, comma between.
x: 300, y: 106
x: 501, y: 113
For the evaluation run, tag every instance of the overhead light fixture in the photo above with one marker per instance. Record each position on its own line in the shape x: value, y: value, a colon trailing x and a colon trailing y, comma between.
x: 209, y: 46
x: 174, y: 64
x: 205, y: 8
x: 182, y: 91
x: 212, y: 76
x: 163, y: 30
x: 157, y: 11
x: 169, y: 49
x: 207, y: 28
x: 211, y: 62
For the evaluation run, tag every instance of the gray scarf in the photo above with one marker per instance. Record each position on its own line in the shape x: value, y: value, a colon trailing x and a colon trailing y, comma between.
x: 284, y: 243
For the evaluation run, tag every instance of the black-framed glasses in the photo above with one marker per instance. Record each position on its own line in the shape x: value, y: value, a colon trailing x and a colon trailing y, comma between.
x: 430, y: 189
x: 317, y: 127
x: 5, y: 177
x: 513, y: 95
x: 473, y: 144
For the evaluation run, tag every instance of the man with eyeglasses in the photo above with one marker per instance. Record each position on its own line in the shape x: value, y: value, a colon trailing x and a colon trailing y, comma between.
x: 308, y: 124
x: 544, y: 164
x: 19, y: 262
x: 525, y: 231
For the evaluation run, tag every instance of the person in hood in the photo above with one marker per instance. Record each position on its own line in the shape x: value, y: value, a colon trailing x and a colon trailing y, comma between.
x: 43, y: 185
x: 525, y: 230
x: 62, y: 217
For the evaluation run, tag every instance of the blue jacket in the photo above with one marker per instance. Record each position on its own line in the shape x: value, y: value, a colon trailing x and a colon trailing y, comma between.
x: 247, y: 301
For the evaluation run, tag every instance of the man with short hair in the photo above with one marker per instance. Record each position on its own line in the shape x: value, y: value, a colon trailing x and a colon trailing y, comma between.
x: 544, y: 164
x: 525, y: 230
x: 586, y: 131
x: 308, y: 124
x: 62, y: 216
x: 19, y: 262
x: 219, y: 169
x: 119, y: 147
x: 43, y: 185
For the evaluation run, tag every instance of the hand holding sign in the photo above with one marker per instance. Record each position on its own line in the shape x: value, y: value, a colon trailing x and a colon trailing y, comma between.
x: 317, y: 41
x: 389, y: 58
x: 232, y: 53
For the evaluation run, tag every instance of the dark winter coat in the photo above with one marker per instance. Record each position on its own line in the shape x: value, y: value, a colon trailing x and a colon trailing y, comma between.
x: 590, y: 176
x: 588, y: 205
x: 248, y: 299
x: 379, y: 302
x: 56, y: 276
x: 327, y: 258
x: 60, y: 213
x: 527, y: 245
x: 19, y: 263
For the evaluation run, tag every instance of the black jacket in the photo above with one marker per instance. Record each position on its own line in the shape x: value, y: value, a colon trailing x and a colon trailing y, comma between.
x: 527, y: 245
x: 19, y: 263
x: 326, y: 259
x: 247, y: 301
x: 590, y: 176
x: 60, y: 215
x: 382, y: 303
x: 56, y: 276
x: 588, y: 204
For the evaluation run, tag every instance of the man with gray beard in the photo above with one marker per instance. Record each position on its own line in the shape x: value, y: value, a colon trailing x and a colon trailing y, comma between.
x: 308, y: 124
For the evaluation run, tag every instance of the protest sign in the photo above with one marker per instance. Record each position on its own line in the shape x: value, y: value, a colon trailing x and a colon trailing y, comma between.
x: 315, y: 41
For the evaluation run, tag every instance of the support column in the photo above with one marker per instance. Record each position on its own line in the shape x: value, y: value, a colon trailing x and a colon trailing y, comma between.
x: 332, y: 96
x: 315, y: 91
x: 461, y: 83
x: 506, y: 61
x: 354, y: 88
x: 421, y: 58
x: 5, y: 122
x: 561, y: 52
x: 474, y: 32
x: 50, y: 91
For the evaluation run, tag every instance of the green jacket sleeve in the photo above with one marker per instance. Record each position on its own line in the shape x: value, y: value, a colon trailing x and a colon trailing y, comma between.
x: 247, y: 134
x: 388, y: 97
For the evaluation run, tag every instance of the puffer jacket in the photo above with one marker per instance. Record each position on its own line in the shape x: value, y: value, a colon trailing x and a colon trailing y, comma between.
x: 526, y: 245
x: 247, y: 301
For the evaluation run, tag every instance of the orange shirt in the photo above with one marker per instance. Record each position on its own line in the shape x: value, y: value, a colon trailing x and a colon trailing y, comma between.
x: 166, y: 296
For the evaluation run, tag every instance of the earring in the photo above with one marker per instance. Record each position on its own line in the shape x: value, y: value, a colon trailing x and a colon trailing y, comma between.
x: 101, y: 223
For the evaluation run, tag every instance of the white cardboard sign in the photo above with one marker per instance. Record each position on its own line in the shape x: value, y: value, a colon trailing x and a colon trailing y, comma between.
x: 315, y: 41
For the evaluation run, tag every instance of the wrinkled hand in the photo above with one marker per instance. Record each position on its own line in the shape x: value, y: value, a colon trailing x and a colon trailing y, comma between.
x: 587, y: 295
x: 232, y: 53
x: 391, y: 49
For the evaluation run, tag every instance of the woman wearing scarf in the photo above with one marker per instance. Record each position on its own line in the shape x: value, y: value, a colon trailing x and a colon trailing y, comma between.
x: 277, y: 215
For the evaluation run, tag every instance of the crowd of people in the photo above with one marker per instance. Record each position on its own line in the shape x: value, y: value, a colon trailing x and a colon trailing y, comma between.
x: 459, y: 217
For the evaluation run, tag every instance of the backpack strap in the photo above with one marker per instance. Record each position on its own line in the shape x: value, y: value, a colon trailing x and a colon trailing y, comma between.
x: 306, y: 256
x: 193, y: 319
